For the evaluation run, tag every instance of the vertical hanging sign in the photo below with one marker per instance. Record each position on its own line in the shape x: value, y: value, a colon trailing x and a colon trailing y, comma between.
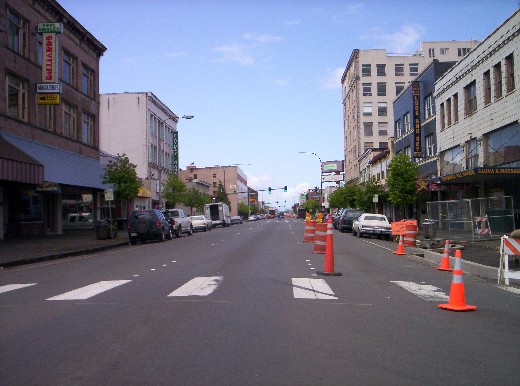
x: 416, y: 95
x: 49, y: 63
x: 175, y: 162
x: 49, y: 90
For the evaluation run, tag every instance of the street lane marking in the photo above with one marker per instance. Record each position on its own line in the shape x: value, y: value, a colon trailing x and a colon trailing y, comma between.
x: 424, y: 291
x: 304, y: 288
x: 12, y: 287
x: 199, y: 286
x: 89, y: 290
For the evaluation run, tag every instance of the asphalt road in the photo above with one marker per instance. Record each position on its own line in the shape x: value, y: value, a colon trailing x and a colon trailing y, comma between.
x: 244, y: 306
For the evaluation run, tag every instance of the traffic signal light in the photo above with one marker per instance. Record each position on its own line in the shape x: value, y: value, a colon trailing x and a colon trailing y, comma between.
x: 269, y: 189
x: 285, y: 188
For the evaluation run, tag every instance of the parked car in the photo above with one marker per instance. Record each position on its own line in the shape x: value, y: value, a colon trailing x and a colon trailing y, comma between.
x: 200, y: 223
x: 180, y: 223
x: 236, y: 220
x: 372, y: 224
x: 148, y: 224
x: 347, y: 218
x: 252, y: 218
x: 281, y: 215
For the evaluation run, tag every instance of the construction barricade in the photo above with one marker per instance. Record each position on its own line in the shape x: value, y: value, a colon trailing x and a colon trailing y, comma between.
x: 320, y: 238
x: 407, y: 229
x: 508, y: 247
x: 308, y: 233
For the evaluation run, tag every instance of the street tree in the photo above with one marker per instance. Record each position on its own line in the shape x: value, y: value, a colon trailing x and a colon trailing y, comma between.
x: 193, y: 198
x: 336, y: 198
x: 122, y: 175
x: 365, y: 195
x: 311, y: 206
x: 243, y: 210
x: 401, y: 180
x: 173, y: 191
x: 350, y: 193
x: 221, y: 194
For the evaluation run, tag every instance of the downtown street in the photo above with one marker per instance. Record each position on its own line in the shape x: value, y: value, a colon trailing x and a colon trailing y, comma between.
x: 243, y: 305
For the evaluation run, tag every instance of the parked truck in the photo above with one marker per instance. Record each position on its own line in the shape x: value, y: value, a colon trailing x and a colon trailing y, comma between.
x: 218, y: 213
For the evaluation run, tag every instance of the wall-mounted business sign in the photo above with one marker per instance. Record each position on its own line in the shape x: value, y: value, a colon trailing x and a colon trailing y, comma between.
x: 50, y: 58
x: 56, y: 28
x: 332, y: 166
x: 333, y: 178
x: 416, y: 95
x: 48, y: 88
x: 48, y: 99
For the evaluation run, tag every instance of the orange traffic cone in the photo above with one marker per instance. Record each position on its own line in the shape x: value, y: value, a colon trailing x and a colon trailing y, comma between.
x: 457, y: 296
x: 328, y: 269
x: 400, y: 247
x: 445, y: 262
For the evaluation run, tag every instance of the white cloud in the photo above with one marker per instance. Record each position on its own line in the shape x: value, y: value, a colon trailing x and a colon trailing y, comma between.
x: 258, y: 182
x: 261, y: 38
x: 290, y: 23
x: 405, y: 40
x: 332, y: 81
x: 234, y: 53
x: 281, y: 82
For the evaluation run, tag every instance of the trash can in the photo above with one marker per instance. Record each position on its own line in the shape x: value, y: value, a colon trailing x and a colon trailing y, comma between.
x: 429, y: 230
x: 102, y: 229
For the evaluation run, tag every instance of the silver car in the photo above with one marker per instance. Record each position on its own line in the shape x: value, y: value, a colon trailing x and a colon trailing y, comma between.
x: 200, y: 223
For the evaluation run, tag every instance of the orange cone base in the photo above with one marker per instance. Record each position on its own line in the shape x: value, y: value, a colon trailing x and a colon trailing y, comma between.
x: 445, y: 265
x: 444, y: 269
x: 457, y: 308
x: 329, y: 273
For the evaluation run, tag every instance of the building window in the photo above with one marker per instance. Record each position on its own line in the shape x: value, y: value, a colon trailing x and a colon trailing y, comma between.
x: 455, y: 108
x: 87, y: 129
x: 472, y: 154
x: 366, y: 70
x: 16, y: 97
x: 463, y: 51
x: 406, y: 123
x: 486, y: 85
x: 510, y: 73
x: 367, y: 89
x: 69, y: 121
x: 470, y: 98
x: 381, y: 89
x: 17, y: 32
x: 428, y: 144
x: 414, y: 69
x: 46, y: 117
x: 442, y: 117
x: 497, y: 80
x: 381, y: 69
x: 367, y: 109
x: 368, y: 128
x: 431, y: 52
x: 40, y: 48
x: 382, y: 109
x: 448, y: 112
x: 382, y: 128
x: 428, y: 106
x: 399, y: 69
x: 69, y: 68
x: 399, y: 86
x: 368, y: 145
x: 444, y: 51
x: 451, y: 161
x: 383, y: 145
x: 398, y: 128
x: 408, y: 152
x: 87, y: 81
x: 503, y: 147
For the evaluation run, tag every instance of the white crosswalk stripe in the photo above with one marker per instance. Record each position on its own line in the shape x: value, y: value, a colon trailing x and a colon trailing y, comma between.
x: 12, y: 287
x: 89, y: 290
x: 424, y: 291
x: 304, y: 288
x: 199, y: 286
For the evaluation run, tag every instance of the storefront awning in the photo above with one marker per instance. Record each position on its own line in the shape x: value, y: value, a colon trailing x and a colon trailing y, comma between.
x: 61, y: 166
x: 17, y: 166
x: 145, y: 193
x: 483, y: 174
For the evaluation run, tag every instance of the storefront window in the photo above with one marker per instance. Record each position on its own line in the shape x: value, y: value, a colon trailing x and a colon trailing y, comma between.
x: 30, y: 206
x: 451, y: 161
x: 77, y: 211
x: 503, y: 147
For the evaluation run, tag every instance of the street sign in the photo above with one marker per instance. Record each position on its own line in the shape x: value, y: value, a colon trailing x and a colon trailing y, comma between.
x: 375, y: 198
x: 48, y: 99
x: 109, y: 195
x: 50, y: 28
x: 48, y: 88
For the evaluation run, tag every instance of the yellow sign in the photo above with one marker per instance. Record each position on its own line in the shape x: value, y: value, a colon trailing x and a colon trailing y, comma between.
x: 48, y: 99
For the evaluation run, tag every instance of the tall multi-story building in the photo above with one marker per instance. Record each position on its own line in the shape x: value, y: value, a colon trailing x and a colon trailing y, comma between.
x: 50, y: 176
x: 478, y: 120
x: 232, y: 178
x: 370, y: 82
x: 139, y: 125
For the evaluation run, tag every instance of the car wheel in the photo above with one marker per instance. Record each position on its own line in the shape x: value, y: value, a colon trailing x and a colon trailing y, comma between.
x: 353, y: 232
x: 162, y: 237
x: 359, y: 234
x: 170, y: 234
x: 133, y: 240
x: 178, y: 232
x: 190, y: 232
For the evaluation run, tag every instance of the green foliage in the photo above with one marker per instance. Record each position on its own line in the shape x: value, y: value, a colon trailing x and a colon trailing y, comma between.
x: 350, y: 194
x: 122, y: 175
x: 311, y: 206
x: 173, y: 191
x: 243, y: 210
x: 336, y: 199
x: 221, y: 194
x: 194, y: 198
x: 365, y: 195
x: 401, y: 180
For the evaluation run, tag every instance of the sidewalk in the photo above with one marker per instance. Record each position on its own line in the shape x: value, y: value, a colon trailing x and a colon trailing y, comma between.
x: 26, y: 250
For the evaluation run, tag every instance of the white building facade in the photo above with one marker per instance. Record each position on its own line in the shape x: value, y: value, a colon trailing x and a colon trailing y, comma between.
x: 145, y: 129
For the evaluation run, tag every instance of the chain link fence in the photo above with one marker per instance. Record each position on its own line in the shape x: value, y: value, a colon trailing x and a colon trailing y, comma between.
x: 469, y: 219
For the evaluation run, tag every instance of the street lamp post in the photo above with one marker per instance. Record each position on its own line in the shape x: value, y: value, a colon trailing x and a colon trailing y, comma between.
x: 321, y: 175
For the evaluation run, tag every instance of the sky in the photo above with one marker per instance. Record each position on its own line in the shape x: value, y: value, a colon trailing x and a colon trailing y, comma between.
x: 263, y: 78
